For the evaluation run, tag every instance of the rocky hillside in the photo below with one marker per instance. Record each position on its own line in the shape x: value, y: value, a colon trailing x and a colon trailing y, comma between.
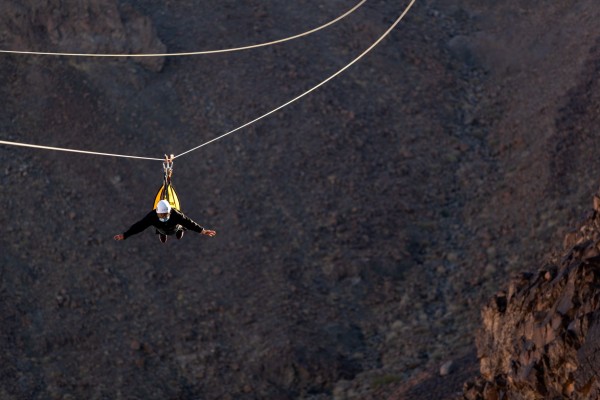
x: 359, y: 230
x: 302, y: 294
x: 540, y: 337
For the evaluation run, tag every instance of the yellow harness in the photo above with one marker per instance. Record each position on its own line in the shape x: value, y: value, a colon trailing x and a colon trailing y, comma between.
x: 167, y: 190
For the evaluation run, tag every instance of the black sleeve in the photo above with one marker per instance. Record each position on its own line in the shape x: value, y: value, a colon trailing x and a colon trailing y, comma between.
x: 140, y: 225
x: 187, y: 222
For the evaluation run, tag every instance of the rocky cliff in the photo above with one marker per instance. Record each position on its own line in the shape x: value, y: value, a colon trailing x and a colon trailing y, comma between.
x: 541, y: 336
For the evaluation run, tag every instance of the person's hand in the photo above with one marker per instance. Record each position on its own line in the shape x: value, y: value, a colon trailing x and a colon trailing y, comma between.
x: 119, y: 236
x: 208, y: 232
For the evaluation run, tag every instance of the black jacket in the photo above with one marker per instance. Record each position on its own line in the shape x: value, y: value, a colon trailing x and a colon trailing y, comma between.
x: 176, y: 220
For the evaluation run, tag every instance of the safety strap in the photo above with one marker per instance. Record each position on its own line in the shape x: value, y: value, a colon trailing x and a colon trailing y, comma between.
x: 168, y: 168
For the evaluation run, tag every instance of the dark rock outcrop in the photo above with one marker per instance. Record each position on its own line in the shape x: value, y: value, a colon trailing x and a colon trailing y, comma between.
x: 101, y: 27
x: 541, y: 336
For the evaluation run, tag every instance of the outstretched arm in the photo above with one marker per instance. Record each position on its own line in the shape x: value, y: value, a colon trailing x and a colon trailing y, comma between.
x: 191, y: 225
x: 136, y: 228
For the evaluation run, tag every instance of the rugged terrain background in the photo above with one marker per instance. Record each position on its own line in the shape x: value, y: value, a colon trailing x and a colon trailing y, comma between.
x: 359, y: 230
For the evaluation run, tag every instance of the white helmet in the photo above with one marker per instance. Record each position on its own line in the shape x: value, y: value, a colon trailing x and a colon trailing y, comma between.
x: 163, y: 207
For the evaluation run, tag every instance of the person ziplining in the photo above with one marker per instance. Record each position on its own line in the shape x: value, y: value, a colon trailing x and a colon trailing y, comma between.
x: 166, y: 217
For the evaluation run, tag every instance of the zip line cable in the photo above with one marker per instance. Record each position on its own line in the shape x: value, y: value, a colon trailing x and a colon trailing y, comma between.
x: 194, y: 53
x: 35, y: 146
x: 313, y: 88
x: 371, y: 47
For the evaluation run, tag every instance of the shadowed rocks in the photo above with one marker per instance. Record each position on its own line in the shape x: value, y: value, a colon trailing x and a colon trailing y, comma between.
x: 98, y: 27
x: 541, y: 337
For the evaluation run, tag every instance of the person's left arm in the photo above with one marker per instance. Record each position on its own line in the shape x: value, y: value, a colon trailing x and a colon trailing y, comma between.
x: 191, y: 225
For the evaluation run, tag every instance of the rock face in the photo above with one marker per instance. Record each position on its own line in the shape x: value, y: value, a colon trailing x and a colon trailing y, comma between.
x: 81, y: 27
x: 541, y: 337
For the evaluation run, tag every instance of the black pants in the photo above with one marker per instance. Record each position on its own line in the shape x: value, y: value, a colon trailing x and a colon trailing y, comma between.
x: 170, y: 231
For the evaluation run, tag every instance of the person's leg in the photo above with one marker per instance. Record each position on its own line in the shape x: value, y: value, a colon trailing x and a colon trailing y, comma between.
x: 180, y: 232
x: 161, y: 236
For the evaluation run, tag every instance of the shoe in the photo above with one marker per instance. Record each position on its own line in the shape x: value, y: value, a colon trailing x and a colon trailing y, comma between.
x: 162, y: 238
x: 179, y: 234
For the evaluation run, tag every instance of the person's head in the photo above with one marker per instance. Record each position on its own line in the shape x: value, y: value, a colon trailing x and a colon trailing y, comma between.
x: 163, y: 210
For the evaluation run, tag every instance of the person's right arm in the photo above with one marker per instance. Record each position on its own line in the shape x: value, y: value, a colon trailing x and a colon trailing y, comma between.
x: 137, y: 227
